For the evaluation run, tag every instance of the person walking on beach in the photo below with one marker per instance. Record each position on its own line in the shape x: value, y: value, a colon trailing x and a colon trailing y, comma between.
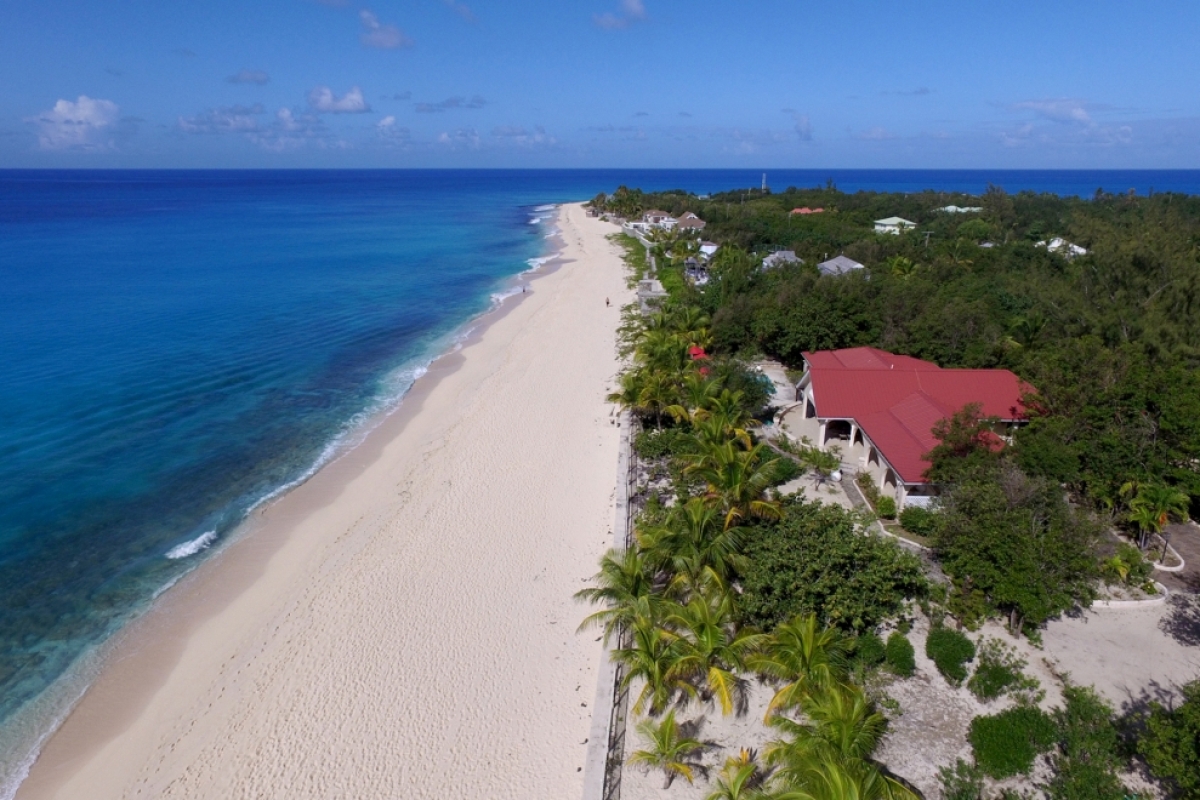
x: 606, y: 303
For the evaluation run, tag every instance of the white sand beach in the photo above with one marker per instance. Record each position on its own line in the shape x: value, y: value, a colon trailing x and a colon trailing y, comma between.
x: 402, y: 625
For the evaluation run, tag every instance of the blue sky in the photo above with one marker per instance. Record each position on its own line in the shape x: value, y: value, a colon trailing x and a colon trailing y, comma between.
x: 599, y: 83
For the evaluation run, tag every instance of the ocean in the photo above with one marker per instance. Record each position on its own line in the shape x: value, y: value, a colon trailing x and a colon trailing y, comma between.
x: 181, y: 346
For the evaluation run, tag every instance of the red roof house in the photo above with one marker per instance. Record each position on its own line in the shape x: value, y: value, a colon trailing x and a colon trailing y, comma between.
x: 882, y: 407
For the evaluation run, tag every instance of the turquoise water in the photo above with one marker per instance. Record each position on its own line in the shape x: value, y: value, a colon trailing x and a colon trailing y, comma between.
x: 180, y: 345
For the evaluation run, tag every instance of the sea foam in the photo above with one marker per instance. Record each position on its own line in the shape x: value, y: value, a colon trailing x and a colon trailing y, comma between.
x: 201, y: 542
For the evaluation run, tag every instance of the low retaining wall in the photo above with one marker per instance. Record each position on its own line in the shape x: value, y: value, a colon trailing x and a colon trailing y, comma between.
x: 1157, y: 600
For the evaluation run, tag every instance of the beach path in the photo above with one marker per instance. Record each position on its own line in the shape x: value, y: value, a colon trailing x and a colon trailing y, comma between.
x: 402, y: 625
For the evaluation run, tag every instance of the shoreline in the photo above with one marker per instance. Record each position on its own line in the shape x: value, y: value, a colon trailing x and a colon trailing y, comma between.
x: 61, y: 698
x: 146, y: 657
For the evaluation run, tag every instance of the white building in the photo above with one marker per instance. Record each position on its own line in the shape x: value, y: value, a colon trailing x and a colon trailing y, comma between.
x: 893, y: 225
x: 1063, y: 247
x: 838, y: 265
x: 781, y: 257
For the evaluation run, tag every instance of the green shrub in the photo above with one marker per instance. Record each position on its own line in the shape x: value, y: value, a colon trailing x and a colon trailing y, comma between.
x: 991, y: 680
x: 920, y: 521
x: 950, y: 650
x: 1127, y: 566
x: 869, y: 649
x: 651, y: 445
x: 1088, y: 761
x: 1000, y: 671
x: 867, y: 486
x: 816, y: 559
x: 886, y: 508
x: 1170, y: 742
x: 963, y: 781
x: 900, y: 656
x: 785, y: 470
x: 1006, y: 744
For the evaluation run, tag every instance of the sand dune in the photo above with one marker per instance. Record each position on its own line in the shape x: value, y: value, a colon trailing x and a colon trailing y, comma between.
x: 401, y: 625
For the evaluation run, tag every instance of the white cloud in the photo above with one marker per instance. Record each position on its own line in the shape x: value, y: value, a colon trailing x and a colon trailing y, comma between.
x: 463, y: 137
x: 920, y: 91
x: 255, y: 76
x: 234, y: 119
x: 291, y: 131
x: 1059, y: 110
x: 462, y: 9
x: 877, y: 134
x: 451, y: 103
x: 80, y: 125
x: 801, y: 124
x: 520, y: 136
x: 377, y: 34
x: 323, y: 100
x: 631, y: 11
x: 391, y: 133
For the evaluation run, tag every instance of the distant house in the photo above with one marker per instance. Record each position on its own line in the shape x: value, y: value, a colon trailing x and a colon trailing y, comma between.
x: 880, y: 409
x: 659, y: 218
x: 1063, y: 247
x: 893, y: 225
x: 709, y: 249
x: 807, y: 210
x: 690, y: 222
x: 838, y: 265
x: 961, y: 209
x: 781, y: 257
x: 695, y: 272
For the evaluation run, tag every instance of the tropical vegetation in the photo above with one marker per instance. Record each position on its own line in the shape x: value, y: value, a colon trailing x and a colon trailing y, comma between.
x: 726, y: 580
x: 691, y: 606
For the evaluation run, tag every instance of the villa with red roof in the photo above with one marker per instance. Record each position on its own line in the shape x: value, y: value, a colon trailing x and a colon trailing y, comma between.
x: 880, y: 409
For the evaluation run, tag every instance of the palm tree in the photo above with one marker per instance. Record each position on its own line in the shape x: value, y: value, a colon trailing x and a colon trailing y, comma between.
x: 694, y: 545
x: 738, y: 479
x: 625, y: 585
x: 828, y: 778
x: 711, y: 649
x: 738, y: 779
x: 646, y: 392
x: 692, y: 323
x: 840, y: 720
x: 697, y: 393
x: 665, y: 350
x: 653, y: 658
x: 901, y: 267
x: 828, y: 756
x: 804, y: 656
x: 712, y: 429
x: 1154, y: 506
x: 669, y: 749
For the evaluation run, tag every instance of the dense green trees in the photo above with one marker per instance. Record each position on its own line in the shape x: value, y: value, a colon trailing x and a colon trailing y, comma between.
x: 1110, y: 339
x: 1171, y: 742
x: 1014, y: 546
x: 679, y: 596
x: 817, y: 560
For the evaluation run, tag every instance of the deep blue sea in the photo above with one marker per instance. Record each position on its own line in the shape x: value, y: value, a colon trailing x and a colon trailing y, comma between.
x: 178, y: 346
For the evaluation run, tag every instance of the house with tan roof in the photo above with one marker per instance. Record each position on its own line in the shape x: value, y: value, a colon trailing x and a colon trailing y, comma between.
x: 893, y: 225
x: 880, y: 408
x: 690, y: 222
x: 658, y: 218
